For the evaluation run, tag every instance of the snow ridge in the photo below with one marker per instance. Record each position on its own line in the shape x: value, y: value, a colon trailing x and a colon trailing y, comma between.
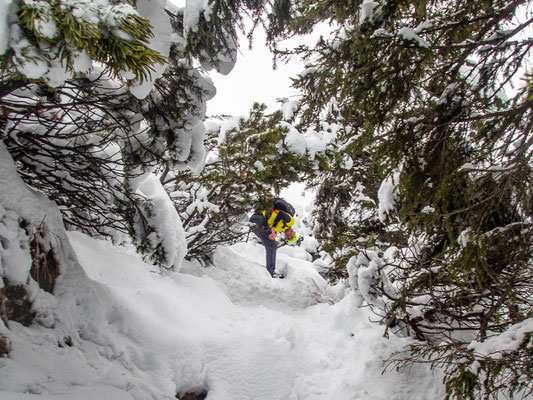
x: 228, y: 330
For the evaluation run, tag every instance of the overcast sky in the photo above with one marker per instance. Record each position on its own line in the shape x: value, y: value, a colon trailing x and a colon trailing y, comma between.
x: 252, y: 79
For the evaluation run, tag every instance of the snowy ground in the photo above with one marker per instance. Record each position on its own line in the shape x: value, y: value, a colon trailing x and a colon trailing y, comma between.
x: 228, y: 330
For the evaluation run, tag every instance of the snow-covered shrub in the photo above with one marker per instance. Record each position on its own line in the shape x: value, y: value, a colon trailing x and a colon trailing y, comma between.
x: 158, y: 231
x: 368, y: 279
x: 247, y: 159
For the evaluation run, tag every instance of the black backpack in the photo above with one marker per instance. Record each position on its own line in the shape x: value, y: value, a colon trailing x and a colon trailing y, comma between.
x: 280, y: 204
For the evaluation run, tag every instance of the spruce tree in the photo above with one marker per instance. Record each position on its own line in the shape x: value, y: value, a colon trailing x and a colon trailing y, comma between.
x: 66, y: 112
x: 435, y: 105
x: 76, y: 124
x: 243, y: 165
x: 77, y: 112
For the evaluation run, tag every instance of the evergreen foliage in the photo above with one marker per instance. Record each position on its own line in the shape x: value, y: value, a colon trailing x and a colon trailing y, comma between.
x: 434, y: 103
x: 70, y: 119
x: 87, y: 142
x: 66, y: 145
x: 244, y: 164
x: 115, y: 36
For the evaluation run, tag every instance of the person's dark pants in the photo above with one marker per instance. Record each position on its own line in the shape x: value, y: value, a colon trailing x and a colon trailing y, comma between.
x: 262, y: 231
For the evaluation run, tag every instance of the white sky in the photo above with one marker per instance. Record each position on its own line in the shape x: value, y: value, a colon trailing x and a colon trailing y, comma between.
x: 252, y: 79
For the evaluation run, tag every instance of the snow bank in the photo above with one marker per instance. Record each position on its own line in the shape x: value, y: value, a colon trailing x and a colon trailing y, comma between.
x: 240, y: 272
x: 229, y: 330
x: 71, y: 332
x: 17, y: 203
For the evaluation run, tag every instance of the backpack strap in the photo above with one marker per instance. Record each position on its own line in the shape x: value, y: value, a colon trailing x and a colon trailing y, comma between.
x: 272, y: 218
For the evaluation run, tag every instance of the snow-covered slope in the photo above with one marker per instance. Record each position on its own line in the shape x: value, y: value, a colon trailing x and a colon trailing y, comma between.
x: 228, y: 330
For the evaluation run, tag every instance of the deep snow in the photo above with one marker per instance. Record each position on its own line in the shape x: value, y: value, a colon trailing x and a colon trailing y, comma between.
x: 228, y: 330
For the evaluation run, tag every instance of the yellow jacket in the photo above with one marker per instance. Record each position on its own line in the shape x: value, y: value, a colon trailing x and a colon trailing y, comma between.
x: 278, y: 219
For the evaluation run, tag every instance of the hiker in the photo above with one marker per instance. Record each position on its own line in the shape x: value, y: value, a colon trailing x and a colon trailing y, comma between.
x: 279, y: 218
